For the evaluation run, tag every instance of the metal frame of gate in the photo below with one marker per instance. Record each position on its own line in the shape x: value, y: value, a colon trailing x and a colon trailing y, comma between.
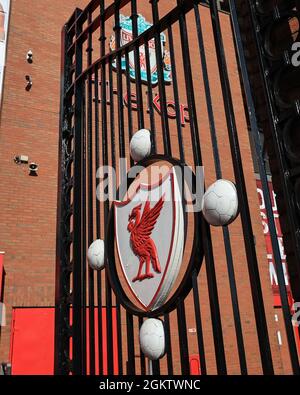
x: 85, y: 144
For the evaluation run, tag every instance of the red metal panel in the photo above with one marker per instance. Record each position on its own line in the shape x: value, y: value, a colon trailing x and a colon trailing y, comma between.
x: 33, y: 341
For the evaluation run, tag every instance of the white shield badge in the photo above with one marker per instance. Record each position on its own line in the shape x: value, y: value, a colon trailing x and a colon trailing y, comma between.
x: 149, y: 232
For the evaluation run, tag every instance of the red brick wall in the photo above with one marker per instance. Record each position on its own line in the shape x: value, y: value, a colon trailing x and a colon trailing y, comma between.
x: 29, y: 126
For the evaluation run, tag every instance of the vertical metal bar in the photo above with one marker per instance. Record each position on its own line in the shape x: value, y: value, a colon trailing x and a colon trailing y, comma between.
x: 113, y: 156
x: 98, y: 225
x: 283, y: 168
x: 138, y: 81
x: 183, y: 341
x: 106, y: 203
x: 117, y: 29
x: 161, y: 82
x: 226, y: 235
x: 109, y: 331
x: 168, y: 344
x: 119, y: 338
x: 112, y: 115
x: 129, y: 101
x: 113, y: 160
x: 176, y: 94
x: 201, y: 349
x: 150, y: 99
x: 77, y: 365
x: 156, y: 367
x: 63, y: 264
x: 207, y: 243
x: 142, y: 356
x: 266, y: 192
x: 259, y: 310
x: 90, y: 207
x: 84, y: 230
x: 130, y: 344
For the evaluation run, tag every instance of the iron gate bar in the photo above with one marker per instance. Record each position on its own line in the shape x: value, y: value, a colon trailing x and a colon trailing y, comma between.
x: 199, y: 329
x: 162, y: 25
x: 142, y: 357
x: 150, y: 102
x: 183, y: 341
x: 84, y: 229
x: 117, y: 29
x: 84, y: 158
x: 218, y: 170
x: 109, y: 341
x: 176, y: 95
x: 130, y: 344
x: 62, y: 286
x: 90, y: 209
x: 129, y: 104
x: 266, y: 192
x: 77, y: 366
x: 91, y: 7
x: 161, y: 82
x: 98, y: 223
x: 156, y: 367
x: 107, y: 283
x: 276, y: 135
x: 138, y: 81
x: 207, y: 243
x: 112, y: 114
x: 259, y: 310
x: 168, y: 343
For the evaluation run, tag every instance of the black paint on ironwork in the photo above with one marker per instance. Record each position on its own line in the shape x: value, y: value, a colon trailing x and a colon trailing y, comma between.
x: 218, y: 170
x: 266, y: 193
x: 258, y: 305
x: 89, y: 117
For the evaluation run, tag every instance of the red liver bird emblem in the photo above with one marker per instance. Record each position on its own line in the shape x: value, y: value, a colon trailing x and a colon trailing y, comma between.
x: 140, y: 228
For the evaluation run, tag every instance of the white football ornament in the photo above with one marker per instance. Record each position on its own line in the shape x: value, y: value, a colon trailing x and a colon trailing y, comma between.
x: 152, y: 339
x: 220, y: 203
x: 95, y: 255
x: 140, y: 145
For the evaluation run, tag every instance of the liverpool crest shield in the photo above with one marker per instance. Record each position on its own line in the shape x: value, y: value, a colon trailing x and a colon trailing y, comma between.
x: 149, y: 233
x: 127, y: 36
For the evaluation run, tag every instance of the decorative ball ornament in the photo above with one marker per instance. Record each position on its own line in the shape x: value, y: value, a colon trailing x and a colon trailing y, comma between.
x: 152, y: 339
x: 220, y: 203
x: 140, y: 145
x: 95, y: 255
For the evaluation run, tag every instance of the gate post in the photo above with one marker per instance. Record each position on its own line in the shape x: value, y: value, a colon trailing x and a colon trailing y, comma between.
x: 64, y: 240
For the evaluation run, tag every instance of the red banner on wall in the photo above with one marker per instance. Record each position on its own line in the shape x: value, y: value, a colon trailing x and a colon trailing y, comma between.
x: 266, y: 230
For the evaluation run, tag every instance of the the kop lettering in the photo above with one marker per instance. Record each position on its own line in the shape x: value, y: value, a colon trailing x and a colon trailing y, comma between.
x: 170, y: 104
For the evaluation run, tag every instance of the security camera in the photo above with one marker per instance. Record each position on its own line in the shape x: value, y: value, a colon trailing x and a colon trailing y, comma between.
x: 29, y: 56
x: 20, y: 159
x: 33, y: 168
x: 29, y: 82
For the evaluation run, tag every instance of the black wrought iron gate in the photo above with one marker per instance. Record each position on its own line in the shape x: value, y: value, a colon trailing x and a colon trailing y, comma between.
x: 226, y: 318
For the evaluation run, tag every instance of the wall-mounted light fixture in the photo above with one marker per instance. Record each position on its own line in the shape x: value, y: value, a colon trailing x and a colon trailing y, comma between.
x: 33, y: 169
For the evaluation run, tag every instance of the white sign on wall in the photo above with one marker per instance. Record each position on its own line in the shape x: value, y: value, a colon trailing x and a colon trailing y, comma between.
x: 4, y: 19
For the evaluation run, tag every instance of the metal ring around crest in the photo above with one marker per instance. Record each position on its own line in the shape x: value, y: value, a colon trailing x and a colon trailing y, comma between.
x: 195, y: 260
